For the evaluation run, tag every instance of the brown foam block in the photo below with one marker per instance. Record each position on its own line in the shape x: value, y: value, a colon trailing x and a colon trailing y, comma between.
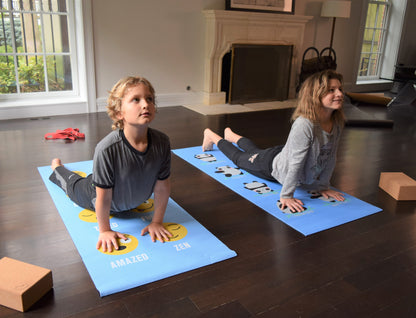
x: 398, y: 185
x: 22, y: 284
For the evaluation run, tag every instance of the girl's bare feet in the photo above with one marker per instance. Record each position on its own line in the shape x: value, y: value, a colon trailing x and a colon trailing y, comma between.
x: 55, y: 163
x: 230, y: 135
x: 210, y: 138
x: 207, y: 143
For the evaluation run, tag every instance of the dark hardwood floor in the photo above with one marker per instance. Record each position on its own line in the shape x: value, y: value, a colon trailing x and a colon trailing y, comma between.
x: 366, y: 268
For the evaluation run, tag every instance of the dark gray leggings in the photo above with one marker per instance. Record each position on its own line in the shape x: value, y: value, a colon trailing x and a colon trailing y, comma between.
x: 255, y: 161
x: 79, y: 189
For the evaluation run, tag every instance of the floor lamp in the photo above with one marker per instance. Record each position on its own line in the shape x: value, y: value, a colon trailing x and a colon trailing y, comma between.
x: 335, y: 9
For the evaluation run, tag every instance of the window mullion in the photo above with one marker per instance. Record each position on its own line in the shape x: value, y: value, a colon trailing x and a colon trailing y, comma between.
x: 45, y: 66
x: 374, y: 29
x: 53, y: 45
x: 5, y: 38
x: 383, y: 37
x: 374, y: 56
x: 13, y: 38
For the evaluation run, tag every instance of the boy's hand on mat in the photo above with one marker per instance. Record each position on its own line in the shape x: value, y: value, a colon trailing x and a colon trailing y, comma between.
x: 295, y: 205
x: 332, y: 194
x: 157, y: 232
x: 107, y: 240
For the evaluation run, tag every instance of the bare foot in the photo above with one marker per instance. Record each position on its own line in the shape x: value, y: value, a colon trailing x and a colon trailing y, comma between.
x: 230, y: 135
x: 210, y: 138
x: 55, y: 163
x: 207, y: 143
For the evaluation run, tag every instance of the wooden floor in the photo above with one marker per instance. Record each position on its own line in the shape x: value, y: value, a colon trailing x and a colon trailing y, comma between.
x: 366, y: 268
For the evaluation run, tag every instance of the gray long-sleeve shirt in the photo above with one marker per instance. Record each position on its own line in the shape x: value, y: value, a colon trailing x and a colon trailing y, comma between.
x: 308, y: 157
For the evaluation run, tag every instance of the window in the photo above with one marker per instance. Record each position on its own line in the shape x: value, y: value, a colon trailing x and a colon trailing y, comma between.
x: 374, y: 38
x: 48, y: 68
x: 35, y: 50
x: 381, y: 39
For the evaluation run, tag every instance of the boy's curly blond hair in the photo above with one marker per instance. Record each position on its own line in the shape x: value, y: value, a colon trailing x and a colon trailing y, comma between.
x: 116, y: 96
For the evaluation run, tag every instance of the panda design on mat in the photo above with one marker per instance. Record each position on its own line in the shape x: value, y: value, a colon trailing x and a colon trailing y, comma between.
x: 207, y: 157
x: 228, y: 171
x: 286, y: 210
x: 317, y: 195
x: 258, y: 187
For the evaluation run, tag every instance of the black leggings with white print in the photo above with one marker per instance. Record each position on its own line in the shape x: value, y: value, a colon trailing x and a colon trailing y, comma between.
x: 249, y: 157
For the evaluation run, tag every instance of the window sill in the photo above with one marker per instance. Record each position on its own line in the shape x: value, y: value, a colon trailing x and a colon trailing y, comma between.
x: 43, y: 107
x: 28, y: 102
x: 374, y: 85
x: 374, y: 82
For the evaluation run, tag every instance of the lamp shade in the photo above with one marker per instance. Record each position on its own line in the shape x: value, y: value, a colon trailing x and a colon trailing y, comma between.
x: 336, y: 9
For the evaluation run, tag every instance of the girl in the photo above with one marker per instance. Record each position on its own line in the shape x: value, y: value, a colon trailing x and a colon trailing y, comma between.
x: 129, y: 164
x: 308, y: 157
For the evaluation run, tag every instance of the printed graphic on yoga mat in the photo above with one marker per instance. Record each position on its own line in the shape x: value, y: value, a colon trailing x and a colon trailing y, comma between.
x: 139, y: 260
x: 88, y: 216
x: 80, y: 173
x: 319, y: 214
x: 145, y: 207
x: 260, y: 188
x: 124, y: 246
x: 178, y: 231
x: 206, y: 157
x: 228, y: 171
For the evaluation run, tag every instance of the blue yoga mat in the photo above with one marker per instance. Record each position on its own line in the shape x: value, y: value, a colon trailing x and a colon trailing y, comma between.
x: 320, y: 214
x: 138, y: 261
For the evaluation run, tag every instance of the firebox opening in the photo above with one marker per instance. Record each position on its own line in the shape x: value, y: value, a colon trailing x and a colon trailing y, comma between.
x: 256, y: 73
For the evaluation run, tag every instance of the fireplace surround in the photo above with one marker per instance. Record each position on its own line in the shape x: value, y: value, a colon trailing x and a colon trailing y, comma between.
x: 223, y: 28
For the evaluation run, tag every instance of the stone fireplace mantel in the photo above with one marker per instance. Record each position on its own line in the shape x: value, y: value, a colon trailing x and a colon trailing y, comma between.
x: 226, y: 27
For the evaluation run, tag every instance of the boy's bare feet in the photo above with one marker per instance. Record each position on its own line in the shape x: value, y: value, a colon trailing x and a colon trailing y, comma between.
x: 55, y: 163
x: 230, y: 135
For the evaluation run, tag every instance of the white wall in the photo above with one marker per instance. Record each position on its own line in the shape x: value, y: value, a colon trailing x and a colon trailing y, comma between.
x: 163, y: 41
x: 407, y: 52
x: 160, y: 40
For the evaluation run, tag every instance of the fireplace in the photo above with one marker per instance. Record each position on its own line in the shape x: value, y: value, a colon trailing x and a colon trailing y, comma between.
x: 256, y: 73
x: 225, y: 28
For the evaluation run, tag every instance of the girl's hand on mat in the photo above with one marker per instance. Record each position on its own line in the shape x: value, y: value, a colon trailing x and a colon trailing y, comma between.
x: 157, y: 232
x: 332, y: 194
x: 108, y: 239
x: 295, y: 205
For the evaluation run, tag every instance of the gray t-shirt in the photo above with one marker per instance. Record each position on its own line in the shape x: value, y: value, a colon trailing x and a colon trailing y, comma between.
x: 130, y: 173
x: 308, y: 157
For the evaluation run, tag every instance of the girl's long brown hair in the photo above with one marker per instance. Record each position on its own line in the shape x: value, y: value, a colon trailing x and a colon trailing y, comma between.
x: 313, y: 89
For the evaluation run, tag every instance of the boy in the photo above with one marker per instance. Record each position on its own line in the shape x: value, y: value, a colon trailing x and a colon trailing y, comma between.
x: 130, y: 164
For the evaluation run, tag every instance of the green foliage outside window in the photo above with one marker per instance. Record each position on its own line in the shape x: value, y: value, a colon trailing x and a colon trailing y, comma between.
x: 31, y: 76
x: 31, y: 71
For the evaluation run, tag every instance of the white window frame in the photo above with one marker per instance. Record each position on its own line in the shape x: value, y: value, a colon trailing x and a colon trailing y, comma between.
x: 82, y: 98
x: 382, y: 45
x: 391, y: 43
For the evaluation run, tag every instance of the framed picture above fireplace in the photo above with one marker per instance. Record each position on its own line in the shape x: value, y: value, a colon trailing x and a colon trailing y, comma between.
x: 271, y: 6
